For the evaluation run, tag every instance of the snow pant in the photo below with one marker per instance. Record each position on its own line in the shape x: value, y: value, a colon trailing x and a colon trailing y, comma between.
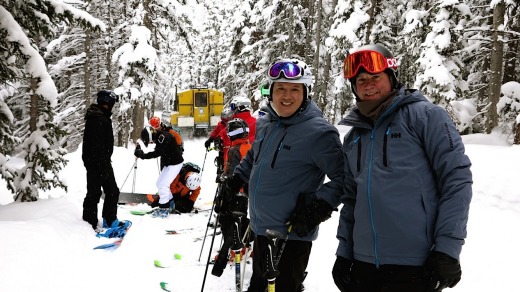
x: 292, y: 265
x: 388, y: 278
x: 97, y: 179
x: 168, y: 174
x: 231, y: 236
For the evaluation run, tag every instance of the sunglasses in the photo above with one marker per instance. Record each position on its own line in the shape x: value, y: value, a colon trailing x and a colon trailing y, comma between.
x: 373, y: 62
x: 290, y: 70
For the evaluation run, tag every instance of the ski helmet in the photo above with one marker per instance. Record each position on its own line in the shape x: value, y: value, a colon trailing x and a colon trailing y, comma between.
x: 155, y: 122
x: 373, y: 59
x: 240, y: 104
x: 107, y: 97
x: 147, y: 135
x: 226, y: 114
x: 192, y: 180
x: 290, y: 71
x: 236, y: 129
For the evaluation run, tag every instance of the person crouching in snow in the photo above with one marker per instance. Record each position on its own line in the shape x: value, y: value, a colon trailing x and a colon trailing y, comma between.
x: 171, y: 163
x: 185, y: 189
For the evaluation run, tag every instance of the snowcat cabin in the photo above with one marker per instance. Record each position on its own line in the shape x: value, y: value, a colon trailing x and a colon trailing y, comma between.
x: 197, y: 110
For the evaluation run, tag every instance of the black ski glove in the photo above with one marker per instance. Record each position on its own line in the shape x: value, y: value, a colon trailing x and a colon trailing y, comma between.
x: 342, y: 274
x: 444, y: 271
x: 139, y: 153
x: 305, y: 218
x: 208, y: 142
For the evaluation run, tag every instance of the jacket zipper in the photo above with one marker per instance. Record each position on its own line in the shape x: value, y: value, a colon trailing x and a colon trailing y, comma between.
x: 278, y: 150
x: 357, y: 140
x: 385, y: 142
x: 369, y: 197
x: 253, y: 194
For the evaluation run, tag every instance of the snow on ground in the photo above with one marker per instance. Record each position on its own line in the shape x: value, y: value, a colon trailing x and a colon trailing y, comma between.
x: 46, y: 247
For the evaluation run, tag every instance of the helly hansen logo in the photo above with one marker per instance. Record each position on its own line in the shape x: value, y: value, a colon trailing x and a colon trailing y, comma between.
x: 395, y: 135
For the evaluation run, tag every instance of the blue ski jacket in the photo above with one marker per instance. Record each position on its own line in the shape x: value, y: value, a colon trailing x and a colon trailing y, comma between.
x: 407, y: 184
x: 291, y: 156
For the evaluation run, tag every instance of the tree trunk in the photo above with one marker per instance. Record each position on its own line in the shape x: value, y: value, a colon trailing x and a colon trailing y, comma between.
x: 495, y: 80
x: 289, y: 28
x: 517, y: 134
x: 511, y: 54
x: 33, y: 111
x: 310, y: 24
x: 86, y: 69
x: 316, y: 63
x: 372, y: 12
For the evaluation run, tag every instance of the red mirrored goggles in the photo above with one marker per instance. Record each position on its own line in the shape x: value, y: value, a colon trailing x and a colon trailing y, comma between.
x: 289, y: 70
x: 373, y: 62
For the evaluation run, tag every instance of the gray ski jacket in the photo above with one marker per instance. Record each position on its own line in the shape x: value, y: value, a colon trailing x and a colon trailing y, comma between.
x: 291, y: 156
x: 407, y: 184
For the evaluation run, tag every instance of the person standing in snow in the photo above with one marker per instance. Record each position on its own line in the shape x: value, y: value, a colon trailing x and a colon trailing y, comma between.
x: 98, y: 145
x: 407, y: 185
x: 241, y: 107
x: 238, y: 132
x: 155, y: 122
x: 294, y: 149
x: 220, y: 139
x: 171, y: 163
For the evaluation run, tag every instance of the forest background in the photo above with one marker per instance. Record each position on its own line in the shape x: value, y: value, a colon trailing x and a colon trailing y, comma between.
x: 56, y: 54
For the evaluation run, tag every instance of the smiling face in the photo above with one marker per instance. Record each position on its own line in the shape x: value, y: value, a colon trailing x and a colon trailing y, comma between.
x: 373, y: 86
x: 287, y: 98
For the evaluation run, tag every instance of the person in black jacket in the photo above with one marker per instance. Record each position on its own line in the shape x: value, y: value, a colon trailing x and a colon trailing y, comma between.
x: 171, y: 163
x: 98, y: 145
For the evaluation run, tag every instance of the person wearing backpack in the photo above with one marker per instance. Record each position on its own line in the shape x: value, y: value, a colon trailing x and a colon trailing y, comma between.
x: 156, y: 124
x: 238, y: 132
x: 185, y: 189
x: 407, y: 185
x: 167, y: 149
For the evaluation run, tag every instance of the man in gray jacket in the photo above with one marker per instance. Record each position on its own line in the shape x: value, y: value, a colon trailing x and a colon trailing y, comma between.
x: 407, y: 185
x: 293, y: 150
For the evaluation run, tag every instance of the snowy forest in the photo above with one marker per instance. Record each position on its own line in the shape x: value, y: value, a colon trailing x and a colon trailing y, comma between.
x: 56, y: 54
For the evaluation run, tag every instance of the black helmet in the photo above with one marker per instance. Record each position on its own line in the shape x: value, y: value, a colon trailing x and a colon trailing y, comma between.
x: 147, y: 135
x: 236, y: 129
x: 390, y: 63
x: 106, y: 97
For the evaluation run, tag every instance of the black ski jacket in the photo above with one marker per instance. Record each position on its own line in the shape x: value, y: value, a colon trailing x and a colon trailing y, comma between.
x: 98, y: 138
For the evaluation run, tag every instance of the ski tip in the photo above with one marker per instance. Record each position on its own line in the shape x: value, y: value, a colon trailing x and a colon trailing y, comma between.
x: 164, y: 286
x: 159, y: 264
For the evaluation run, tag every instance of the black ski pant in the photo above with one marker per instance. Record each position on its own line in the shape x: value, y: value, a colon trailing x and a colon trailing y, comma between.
x: 388, y: 278
x: 97, y: 179
x: 292, y: 265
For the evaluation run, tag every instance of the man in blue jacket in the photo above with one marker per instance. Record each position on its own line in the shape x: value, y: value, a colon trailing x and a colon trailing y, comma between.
x: 293, y: 150
x: 407, y: 185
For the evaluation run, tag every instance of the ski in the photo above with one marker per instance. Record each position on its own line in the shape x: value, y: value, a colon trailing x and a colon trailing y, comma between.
x: 141, y: 212
x: 117, y: 242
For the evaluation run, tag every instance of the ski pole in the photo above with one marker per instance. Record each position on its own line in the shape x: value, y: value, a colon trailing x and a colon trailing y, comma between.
x: 134, y: 166
x: 246, y: 246
x: 209, y: 255
x: 274, y: 237
x: 209, y: 219
x: 135, y: 171
x: 204, y: 163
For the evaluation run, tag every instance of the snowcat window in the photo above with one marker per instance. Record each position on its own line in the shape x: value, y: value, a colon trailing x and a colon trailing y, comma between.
x: 201, y: 99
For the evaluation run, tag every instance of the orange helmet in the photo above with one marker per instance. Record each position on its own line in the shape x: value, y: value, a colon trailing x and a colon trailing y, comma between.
x: 155, y: 122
